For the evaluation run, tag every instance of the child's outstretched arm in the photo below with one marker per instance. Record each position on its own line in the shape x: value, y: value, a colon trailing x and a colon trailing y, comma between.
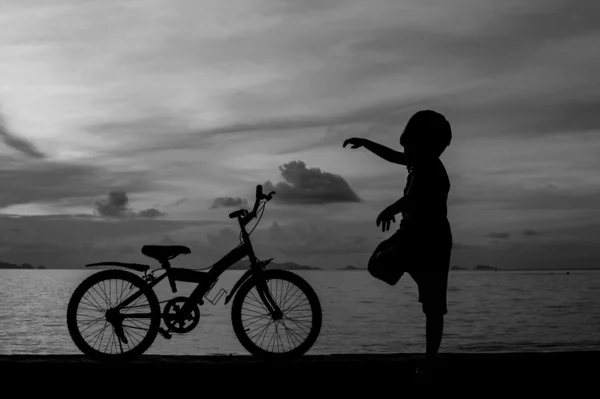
x: 384, y: 152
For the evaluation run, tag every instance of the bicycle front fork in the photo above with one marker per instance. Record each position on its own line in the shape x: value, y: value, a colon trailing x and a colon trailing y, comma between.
x: 269, y: 302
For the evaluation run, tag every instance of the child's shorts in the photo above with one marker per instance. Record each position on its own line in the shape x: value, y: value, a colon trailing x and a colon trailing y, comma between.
x: 430, y: 265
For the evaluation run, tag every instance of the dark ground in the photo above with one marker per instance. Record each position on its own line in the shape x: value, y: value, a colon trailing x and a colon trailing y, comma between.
x: 342, y: 374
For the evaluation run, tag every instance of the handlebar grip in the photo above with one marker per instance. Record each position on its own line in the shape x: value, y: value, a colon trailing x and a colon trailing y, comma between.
x: 258, y: 191
x: 236, y: 213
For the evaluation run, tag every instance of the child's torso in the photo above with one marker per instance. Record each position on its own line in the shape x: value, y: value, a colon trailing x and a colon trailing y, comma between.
x: 428, y: 187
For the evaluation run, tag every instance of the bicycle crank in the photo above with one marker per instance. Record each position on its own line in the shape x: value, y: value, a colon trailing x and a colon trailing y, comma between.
x: 176, y: 322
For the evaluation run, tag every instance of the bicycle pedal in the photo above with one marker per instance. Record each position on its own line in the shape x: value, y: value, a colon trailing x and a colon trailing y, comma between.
x: 164, y: 333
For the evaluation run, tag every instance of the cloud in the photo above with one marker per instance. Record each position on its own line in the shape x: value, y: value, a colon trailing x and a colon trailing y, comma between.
x: 18, y: 143
x: 69, y: 241
x: 296, y: 242
x: 458, y: 246
x: 150, y: 213
x: 178, y: 202
x: 25, y: 182
x: 115, y: 206
x: 310, y: 186
x: 531, y: 232
x: 503, y: 196
x: 227, y: 202
x: 501, y: 235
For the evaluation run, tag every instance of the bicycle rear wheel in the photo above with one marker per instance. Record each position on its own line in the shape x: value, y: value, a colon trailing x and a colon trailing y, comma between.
x: 291, y: 336
x: 113, y: 337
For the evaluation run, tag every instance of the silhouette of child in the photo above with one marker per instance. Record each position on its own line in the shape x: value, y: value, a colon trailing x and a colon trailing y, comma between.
x: 424, y: 216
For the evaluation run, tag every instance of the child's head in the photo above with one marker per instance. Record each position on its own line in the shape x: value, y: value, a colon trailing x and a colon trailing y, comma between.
x: 428, y: 133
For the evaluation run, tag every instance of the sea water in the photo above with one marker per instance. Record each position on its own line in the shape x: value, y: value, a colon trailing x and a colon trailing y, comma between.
x: 488, y: 311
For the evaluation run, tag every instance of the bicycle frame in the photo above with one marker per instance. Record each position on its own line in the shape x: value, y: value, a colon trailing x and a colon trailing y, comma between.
x: 206, y: 280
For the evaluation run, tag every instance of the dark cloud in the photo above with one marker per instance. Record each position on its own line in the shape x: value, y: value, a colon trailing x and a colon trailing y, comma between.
x: 524, y: 114
x: 150, y: 213
x: 500, y: 235
x: 160, y: 129
x: 521, y: 198
x: 296, y: 243
x: 179, y: 201
x: 18, y: 143
x: 227, y: 202
x: 310, y: 186
x: 364, y: 119
x: 69, y: 241
x: 458, y: 246
x: 531, y: 232
x: 315, y: 242
x: 115, y: 206
x: 508, y: 41
x: 49, y: 181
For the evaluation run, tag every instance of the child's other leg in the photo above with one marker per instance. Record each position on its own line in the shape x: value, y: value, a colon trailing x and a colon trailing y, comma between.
x: 432, y: 295
x: 434, y: 330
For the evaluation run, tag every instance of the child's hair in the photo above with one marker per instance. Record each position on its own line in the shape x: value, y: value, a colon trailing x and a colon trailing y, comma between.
x: 427, y: 127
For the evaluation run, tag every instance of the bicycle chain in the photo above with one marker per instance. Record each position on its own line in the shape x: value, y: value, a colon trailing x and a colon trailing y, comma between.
x: 134, y: 327
x: 141, y: 306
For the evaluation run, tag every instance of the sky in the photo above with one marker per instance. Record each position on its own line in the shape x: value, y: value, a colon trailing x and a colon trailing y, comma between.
x: 131, y: 123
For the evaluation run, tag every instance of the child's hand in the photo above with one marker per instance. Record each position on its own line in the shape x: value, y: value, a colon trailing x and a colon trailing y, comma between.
x: 355, y: 142
x: 385, y: 218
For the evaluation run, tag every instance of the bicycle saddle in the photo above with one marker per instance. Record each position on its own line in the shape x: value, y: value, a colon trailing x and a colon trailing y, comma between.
x: 164, y: 252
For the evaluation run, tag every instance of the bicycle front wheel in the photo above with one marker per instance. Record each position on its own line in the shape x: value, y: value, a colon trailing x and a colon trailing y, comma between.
x: 283, y: 339
x: 106, y: 336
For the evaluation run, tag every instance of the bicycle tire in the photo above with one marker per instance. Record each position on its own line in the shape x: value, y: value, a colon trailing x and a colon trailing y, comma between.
x: 316, y: 320
x: 127, y: 278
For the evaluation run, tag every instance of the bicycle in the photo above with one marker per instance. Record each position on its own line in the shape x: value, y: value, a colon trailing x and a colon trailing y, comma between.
x: 182, y: 314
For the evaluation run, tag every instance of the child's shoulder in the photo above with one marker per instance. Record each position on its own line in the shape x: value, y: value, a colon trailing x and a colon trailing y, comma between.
x: 432, y: 171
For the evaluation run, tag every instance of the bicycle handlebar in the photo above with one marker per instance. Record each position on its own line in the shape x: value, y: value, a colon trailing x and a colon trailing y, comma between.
x: 250, y: 215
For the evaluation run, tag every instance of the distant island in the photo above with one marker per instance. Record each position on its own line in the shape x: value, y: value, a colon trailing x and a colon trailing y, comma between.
x: 478, y: 268
x: 5, y: 265
x: 350, y: 267
x: 484, y: 267
x: 244, y: 265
